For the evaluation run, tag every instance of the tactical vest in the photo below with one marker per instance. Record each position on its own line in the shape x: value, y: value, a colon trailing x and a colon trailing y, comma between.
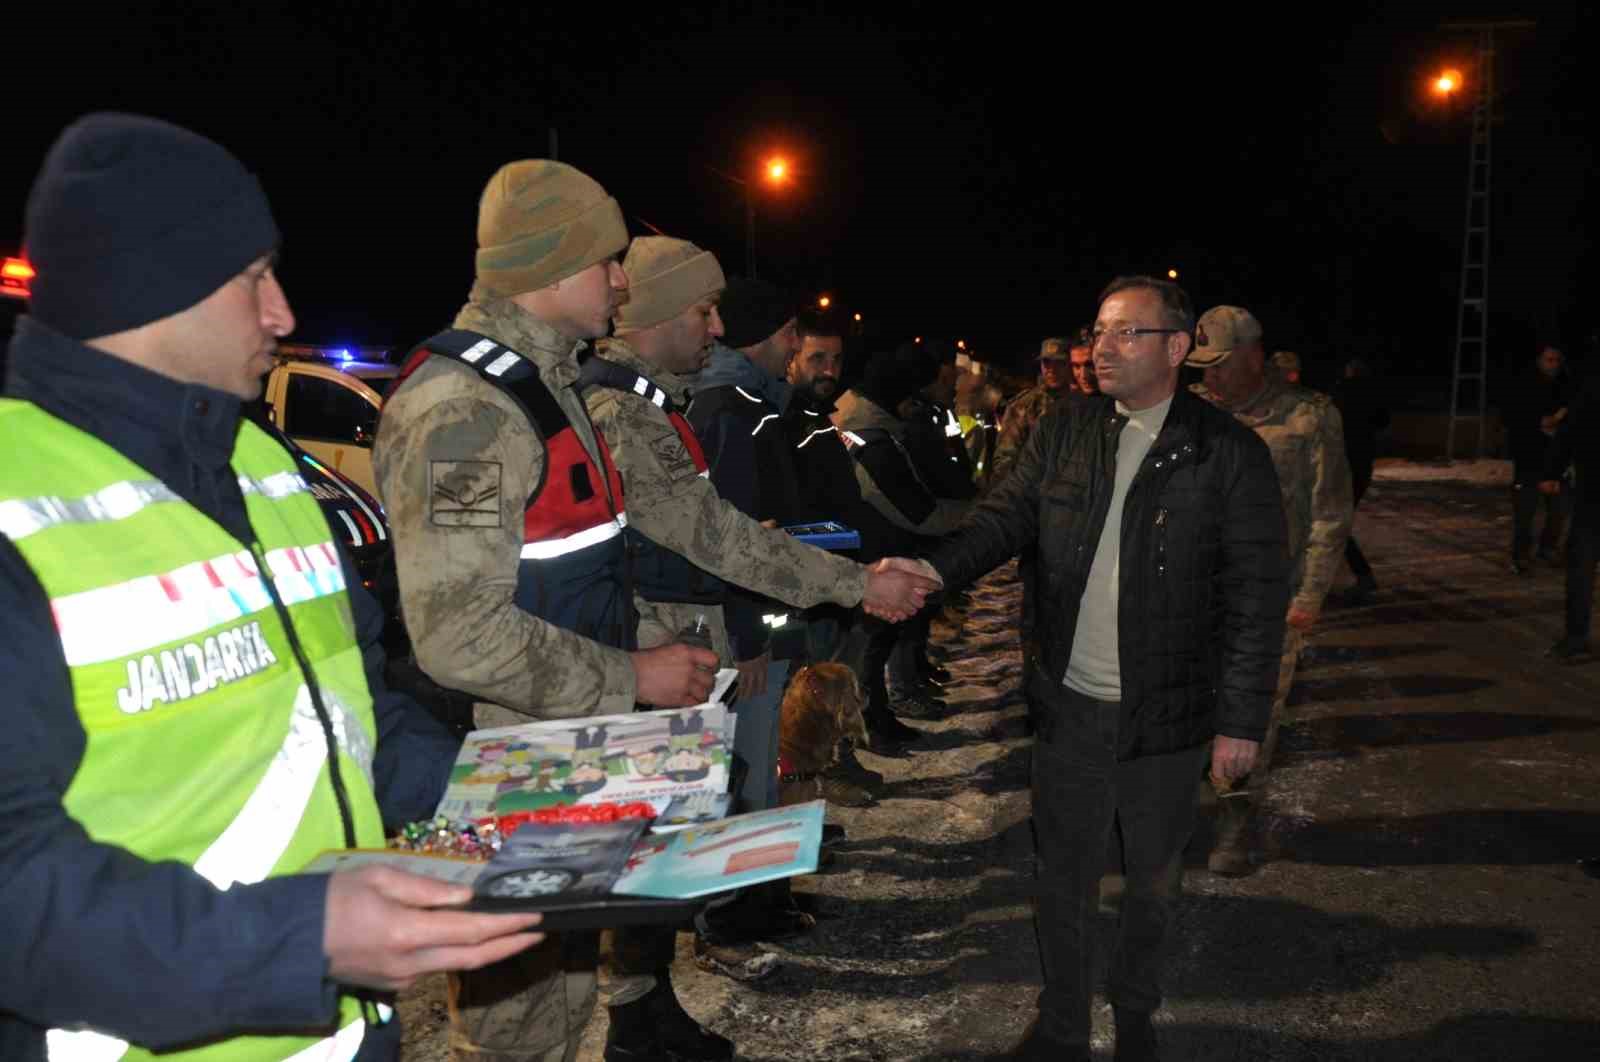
x: 659, y: 574
x: 206, y: 739
x: 574, y: 569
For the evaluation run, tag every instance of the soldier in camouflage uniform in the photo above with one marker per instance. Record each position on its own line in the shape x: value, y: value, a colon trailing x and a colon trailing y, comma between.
x: 689, y: 539
x: 488, y: 552
x: 1066, y: 366
x: 1303, y: 430
x: 663, y: 335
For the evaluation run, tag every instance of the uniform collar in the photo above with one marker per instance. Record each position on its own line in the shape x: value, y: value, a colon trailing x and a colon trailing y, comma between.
x: 619, y: 351
x: 555, y: 353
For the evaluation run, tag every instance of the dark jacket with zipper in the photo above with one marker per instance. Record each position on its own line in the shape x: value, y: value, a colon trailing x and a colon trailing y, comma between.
x: 217, y: 962
x: 1204, y: 565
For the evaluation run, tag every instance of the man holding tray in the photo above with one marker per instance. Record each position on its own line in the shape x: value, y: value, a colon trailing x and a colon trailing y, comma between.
x: 195, y: 705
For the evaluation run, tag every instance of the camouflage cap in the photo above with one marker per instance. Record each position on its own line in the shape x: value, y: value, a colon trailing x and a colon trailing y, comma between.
x: 540, y: 222
x: 1220, y: 330
x: 1054, y: 349
x: 665, y: 277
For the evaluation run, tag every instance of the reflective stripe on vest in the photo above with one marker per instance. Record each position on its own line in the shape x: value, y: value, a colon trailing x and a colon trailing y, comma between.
x: 186, y: 601
x: 203, y: 745
x: 62, y: 1045
x: 21, y: 517
x: 578, y: 540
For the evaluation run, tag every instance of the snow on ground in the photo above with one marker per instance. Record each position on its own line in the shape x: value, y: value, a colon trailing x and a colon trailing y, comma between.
x: 1484, y: 472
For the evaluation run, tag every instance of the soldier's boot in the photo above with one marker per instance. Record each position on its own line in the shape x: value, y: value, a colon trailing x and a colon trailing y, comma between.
x: 1136, y: 1035
x: 656, y: 1028
x: 1230, y: 857
x: 887, y: 730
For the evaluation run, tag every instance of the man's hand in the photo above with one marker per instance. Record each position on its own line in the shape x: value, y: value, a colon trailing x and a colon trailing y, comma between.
x: 897, y: 588
x: 753, y: 675
x: 674, y: 676
x: 1231, y: 760
x: 1302, y: 619
x: 384, y: 928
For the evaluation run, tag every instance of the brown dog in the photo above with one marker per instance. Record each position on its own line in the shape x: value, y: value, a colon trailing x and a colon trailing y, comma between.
x: 821, y: 707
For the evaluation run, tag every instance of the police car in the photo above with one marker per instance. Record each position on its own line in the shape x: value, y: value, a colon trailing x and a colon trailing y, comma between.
x: 327, y: 400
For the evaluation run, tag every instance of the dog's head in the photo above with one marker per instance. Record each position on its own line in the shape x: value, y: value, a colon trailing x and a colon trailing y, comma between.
x: 821, y: 706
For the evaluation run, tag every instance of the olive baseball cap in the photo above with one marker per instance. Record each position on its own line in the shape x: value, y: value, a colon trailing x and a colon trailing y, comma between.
x: 1054, y: 349
x: 1219, y: 331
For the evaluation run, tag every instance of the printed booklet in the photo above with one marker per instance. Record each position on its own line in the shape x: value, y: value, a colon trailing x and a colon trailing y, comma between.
x: 674, y: 755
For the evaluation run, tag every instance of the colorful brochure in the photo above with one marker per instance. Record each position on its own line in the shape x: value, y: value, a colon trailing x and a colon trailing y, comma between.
x: 737, y: 851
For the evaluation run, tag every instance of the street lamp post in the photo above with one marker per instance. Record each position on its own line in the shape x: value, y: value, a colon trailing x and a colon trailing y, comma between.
x: 776, y: 171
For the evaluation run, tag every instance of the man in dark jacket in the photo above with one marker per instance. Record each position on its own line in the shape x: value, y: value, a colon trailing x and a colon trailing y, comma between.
x: 1364, y: 414
x: 1580, y: 438
x: 1534, y: 412
x: 130, y: 919
x: 1163, y: 587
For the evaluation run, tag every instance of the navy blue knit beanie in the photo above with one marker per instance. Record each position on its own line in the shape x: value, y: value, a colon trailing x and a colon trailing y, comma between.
x: 132, y: 219
x: 752, y: 310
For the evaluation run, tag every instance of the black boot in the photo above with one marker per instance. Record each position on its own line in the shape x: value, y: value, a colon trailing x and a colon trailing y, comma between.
x: 1136, y: 1035
x: 887, y: 730
x: 656, y: 1028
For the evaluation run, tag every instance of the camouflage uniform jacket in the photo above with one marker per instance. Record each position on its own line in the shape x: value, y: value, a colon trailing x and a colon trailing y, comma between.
x: 673, y: 505
x: 1303, y: 430
x: 457, y: 582
x: 1015, y: 427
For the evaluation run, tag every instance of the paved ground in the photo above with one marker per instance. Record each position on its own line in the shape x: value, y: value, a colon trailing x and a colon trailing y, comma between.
x: 1435, y: 785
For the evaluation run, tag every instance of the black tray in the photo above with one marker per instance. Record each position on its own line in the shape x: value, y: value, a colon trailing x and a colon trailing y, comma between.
x: 596, y: 914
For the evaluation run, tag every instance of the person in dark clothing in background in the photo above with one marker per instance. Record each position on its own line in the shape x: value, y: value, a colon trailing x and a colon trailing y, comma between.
x: 1534, y: 411
x: 1580, y: 439
x: 1361, y: 407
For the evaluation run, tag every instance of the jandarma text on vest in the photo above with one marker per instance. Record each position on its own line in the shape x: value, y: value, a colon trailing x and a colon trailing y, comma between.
x: 195, y: 668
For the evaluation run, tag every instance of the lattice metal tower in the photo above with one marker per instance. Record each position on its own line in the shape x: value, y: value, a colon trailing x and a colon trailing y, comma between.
x: 1471, y: 365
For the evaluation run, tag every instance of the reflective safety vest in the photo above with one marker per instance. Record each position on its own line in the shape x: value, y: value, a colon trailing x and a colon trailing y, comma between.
x: 204, y: 744
x: 574, y: 570
x: 659, y: 574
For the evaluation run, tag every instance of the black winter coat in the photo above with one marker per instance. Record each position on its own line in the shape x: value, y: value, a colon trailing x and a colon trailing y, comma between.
x: 1204, y: 572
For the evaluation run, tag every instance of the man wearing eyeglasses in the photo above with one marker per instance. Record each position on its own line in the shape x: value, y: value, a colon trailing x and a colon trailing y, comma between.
x: 1303, y: 430
x: 1162, y: 587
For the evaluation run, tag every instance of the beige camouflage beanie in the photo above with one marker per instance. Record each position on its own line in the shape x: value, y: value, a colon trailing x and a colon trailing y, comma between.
x: 541, y: 221
x: 665, y: 277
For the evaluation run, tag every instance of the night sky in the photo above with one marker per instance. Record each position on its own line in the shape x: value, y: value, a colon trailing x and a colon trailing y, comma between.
x: 978, y: 175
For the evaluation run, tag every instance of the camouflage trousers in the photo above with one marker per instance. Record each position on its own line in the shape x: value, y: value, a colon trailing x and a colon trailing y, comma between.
x: 533, y: 1007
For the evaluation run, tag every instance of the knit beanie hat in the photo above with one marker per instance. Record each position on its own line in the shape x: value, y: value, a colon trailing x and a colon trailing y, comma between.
x: 132, y: 219
x: 894, y: 376
x: 665, y: 277
x: 540, y: 222
x: 752, y: 310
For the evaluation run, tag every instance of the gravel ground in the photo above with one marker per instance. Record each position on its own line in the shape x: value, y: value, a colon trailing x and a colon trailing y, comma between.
x: 1436, y: 782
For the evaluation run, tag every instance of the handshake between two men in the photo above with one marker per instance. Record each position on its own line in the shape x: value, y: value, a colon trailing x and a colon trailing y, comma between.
x: 898, y: 587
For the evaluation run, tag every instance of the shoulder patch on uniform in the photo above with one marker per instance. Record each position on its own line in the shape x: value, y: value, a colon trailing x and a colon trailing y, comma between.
x: 673, y: 458
x: 464, y: 493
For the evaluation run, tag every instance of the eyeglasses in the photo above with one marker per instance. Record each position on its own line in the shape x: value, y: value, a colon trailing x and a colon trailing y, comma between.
x: 1128, y: 335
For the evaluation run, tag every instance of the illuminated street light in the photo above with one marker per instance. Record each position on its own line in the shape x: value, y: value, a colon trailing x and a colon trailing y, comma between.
x: 777, y: 169
x: 858, y: 318
x: 1172, y: 274
x: 824, y: 302
x: 917, y: 340
x: 961, y: 344
x: 1447, y: 82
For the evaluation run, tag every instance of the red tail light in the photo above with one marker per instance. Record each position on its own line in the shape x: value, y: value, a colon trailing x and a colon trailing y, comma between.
x: 14, y: 276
